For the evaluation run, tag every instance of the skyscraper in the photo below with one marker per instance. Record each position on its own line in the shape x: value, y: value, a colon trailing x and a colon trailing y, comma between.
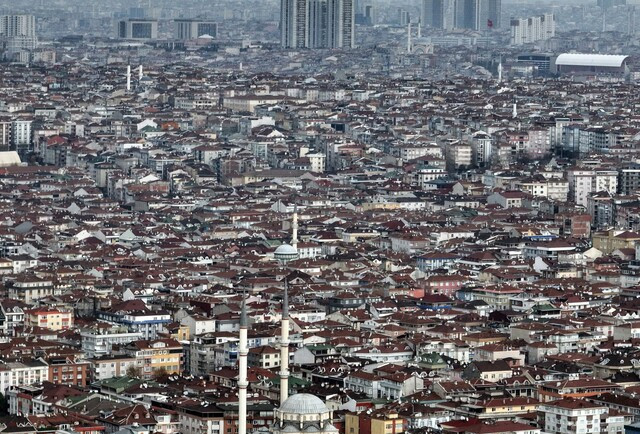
x: 439, y: 14
x: 18, y: 32
x: 529, y: 30
x: 293, y: 23
x: 462, y: 14
x: 341, y: 24
x: 18, y: 25
x: 317, y: 30
x: 317, y: 23
x: 486, y: 14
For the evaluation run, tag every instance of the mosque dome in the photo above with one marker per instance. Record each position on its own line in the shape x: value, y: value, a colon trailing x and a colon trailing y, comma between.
x: 286, y: 252
x: 304, y: 413
x: 303, y: 403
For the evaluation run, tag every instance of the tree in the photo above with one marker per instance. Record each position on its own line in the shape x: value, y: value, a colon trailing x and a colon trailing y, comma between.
x: 160, y: 374
x: 133, y: 372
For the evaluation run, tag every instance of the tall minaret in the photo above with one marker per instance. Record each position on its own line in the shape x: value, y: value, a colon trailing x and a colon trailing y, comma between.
x: 294, y: 239
x: 409, y: 38
x: 128, y: 78
x: 243, y: 351
x: 284, y: 346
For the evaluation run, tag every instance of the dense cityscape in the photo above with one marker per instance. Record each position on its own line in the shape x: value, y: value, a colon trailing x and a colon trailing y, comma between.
x: 319, y: 216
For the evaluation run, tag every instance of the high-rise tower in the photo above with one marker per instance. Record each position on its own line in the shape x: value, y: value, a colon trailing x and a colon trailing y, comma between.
x: 462, y: 14
x: 293, y: 23
x: 341, y: 24
x: 439, y: 14
x: 18, y: 32
x: 317, y: 23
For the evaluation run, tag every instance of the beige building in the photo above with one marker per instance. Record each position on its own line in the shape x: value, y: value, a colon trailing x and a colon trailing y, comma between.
x: 609, y: 241
x: 49, y: 318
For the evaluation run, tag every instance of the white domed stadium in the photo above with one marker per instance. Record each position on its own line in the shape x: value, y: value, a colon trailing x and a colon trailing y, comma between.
x: 304, y: 413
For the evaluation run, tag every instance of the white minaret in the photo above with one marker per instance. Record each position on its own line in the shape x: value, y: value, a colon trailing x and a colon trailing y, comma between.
x: 294, y: 239
x: 500, y: 72
x: 128, y: 78
x: 419, y: 29
x: 243, y: 351
x: 140, y: 72
x: 409, y: 38
x: 515, y: 110
x: 284, y: 346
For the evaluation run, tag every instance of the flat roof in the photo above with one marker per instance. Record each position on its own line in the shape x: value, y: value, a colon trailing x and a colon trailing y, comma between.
x: 578, y: 59
x: 9, y: 158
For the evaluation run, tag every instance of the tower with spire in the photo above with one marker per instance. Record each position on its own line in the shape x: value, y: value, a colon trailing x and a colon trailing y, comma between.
x: 284, y: 346
x: 294, y: 238
x: 243, y: 382
x: 300, y: 413
x: 289, y: 252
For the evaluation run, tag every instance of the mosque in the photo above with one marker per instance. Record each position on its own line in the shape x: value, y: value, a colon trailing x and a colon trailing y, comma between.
x: 301, y: 413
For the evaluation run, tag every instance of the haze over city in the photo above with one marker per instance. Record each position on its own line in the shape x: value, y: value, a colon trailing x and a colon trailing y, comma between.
x: 319, y: 216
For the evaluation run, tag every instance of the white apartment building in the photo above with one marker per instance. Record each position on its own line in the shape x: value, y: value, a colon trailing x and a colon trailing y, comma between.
x: 21, y: 374
x: 22, y: 134
x: 482, y: 144
x: 570, y: 416
x: 584, y: 182
x: 99, y: 344
x: 200, y: 421
x: 532, y: 29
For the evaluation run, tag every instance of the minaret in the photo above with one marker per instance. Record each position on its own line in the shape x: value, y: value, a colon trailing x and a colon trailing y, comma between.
x: 128, y: 78
x: 409, y: 38
x: 294, y: 239
x: 500, y: 72
x: 140, y: 73
x: 243, y: 351
x: 515, y: 110
x: 284, y: 346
